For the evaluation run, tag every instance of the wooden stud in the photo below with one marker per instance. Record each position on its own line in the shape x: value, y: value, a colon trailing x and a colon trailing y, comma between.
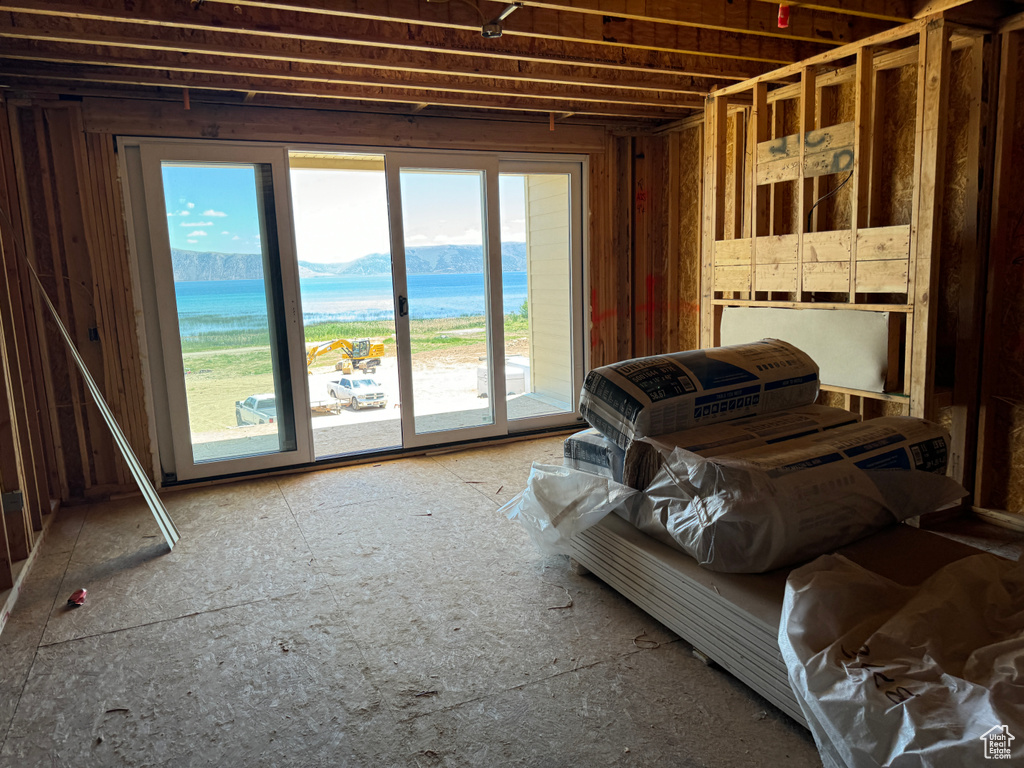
x: 862, y: 151
x: 1002, y: 228
x: 932, y: 100
x: 22, y: 335
x: 714, y: 204
x: 805, y: 187
x: 759, y: 197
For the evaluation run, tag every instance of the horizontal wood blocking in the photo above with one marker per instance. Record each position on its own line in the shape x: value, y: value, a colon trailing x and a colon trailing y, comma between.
x: 825, y: 150
x: 823, y: 264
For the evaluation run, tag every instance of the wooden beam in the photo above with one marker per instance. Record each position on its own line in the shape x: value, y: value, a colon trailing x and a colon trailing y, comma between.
x: 255, y: 123
x: 49, y: 32
x: 173, y: 61
x: 18, y: 336
x: 899, y: 11
x: 862, y: 148
x: 389, y: 36
x: 883, y: 38
x: 714, y: 214
x: 19, y: 71
x: 805, y: 186
x: 1004, y: 189
x: 625, y: 23
x: 933, y: 93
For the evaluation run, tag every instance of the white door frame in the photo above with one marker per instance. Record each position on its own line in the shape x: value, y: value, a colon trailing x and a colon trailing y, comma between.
x: 290, y: 370
x: 394, y: 162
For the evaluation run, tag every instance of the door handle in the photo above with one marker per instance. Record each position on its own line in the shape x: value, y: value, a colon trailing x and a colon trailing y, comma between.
x: 403, y: 306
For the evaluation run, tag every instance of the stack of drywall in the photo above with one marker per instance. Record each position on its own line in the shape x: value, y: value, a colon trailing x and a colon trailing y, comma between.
x: 590, y: 451
x: 734, y: 618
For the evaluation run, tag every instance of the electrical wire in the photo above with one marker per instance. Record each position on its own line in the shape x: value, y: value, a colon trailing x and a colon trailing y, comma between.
x: 824, y: 197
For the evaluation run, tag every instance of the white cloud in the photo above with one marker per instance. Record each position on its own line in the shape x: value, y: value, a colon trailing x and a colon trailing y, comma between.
x: 184, y: 213
x: 197, y: 223
x: 225, y: 232
x: 212, y: 212
x: 197, y: 233
x: 236, y: 237
x: 417, y: 239
x: 192, y: 241
x: 191, y: 206
x: 470, y: 236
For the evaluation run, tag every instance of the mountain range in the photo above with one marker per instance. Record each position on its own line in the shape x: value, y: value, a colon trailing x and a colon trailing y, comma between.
x: 419, y: 260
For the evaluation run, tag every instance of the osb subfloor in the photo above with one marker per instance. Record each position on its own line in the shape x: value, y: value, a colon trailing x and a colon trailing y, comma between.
x: 374, y: 616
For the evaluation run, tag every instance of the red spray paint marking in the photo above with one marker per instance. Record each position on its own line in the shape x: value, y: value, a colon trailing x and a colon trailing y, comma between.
x: 651, y: 307
x: 596, y: 318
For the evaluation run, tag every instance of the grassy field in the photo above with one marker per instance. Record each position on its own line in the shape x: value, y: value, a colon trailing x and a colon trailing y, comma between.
x: 223, y: 368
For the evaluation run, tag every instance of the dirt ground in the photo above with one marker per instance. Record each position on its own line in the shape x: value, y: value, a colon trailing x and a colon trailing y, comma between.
x: 445, y: 387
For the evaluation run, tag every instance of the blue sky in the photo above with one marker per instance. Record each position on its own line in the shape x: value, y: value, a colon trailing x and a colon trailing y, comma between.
x: 212, y: 208
x: 339, y: 215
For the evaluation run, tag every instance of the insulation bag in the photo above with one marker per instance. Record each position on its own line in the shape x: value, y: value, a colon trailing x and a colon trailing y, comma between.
x: 780, y: 504
x: 590, y: 451
x: 667, y: 393
x: 645, y: 457
x: 924, y: 676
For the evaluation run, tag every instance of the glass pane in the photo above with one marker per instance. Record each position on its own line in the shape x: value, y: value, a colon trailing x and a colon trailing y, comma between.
x: 343, y: 238
x: 536, y: 260
x: 217, y: 222
x: 443, y: 220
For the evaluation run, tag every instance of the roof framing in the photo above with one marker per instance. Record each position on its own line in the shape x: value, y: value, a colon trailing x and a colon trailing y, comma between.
x: 648, y: 60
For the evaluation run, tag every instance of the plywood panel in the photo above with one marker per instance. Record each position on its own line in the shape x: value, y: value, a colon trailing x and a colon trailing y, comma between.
x: 831, y: 276
x: 826, y: 150
x: 826, y: 246
x: 883, y: 243
x: 732, y: 278
x: 777, y: 249
x: 776, y: 277
x: 733, y: 252
x: 882, y: 276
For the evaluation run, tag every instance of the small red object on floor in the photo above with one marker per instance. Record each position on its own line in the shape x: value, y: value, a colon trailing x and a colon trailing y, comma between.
x: 77, y: 597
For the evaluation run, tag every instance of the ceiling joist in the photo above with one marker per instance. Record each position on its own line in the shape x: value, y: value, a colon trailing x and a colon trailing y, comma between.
x: 629, y: 62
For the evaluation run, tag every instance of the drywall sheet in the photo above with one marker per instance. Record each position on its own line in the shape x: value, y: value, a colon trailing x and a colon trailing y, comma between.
x: 851, y: 347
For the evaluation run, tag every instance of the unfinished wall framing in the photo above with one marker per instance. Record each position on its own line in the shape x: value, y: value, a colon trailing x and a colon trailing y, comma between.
x: 851, y: 181
x: 999, y: 492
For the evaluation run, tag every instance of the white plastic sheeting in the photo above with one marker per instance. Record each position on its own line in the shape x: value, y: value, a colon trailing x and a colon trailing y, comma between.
x: 781, y: 504
x: 930, y: 676
x: 645, y: 457
x: 559, y: 502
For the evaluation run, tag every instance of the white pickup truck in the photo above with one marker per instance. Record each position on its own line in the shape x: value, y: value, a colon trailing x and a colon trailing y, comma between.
x: 358, y: 392
x: 256, y: 409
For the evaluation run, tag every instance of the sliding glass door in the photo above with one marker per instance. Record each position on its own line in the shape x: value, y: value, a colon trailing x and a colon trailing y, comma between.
x: 448, y: 290
x: 304, y: 303
x: 225, y: 289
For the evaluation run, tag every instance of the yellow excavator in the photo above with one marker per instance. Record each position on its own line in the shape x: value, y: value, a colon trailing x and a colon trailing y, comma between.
x: 355, y: 353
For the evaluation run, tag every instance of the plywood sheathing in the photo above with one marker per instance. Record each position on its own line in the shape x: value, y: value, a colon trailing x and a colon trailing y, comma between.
x: 897, y: 104
x: 691, y: 145
x: 954, y: 214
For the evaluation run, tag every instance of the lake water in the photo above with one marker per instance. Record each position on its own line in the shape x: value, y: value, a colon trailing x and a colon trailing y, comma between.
x: 236, y: 305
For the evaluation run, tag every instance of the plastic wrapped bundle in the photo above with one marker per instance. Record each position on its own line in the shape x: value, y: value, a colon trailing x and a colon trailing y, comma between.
x: 667, y: 393
x: 590, y: 451
x: 645, y: 457
x: 559, y: 502
x: 780, y: 504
